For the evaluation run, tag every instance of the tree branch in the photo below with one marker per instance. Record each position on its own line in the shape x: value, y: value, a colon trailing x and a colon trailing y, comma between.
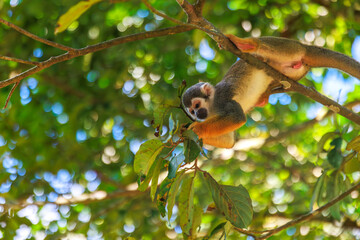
x: 308, y: 216
x: 94, y: 48
x: 10, y: 94
x: 287, y: 83
x: 37, y: 38
x: 19, y: 60
x: 155, y: 11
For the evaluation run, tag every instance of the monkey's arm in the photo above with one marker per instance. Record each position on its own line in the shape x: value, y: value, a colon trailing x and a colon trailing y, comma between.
x: 218, y: 128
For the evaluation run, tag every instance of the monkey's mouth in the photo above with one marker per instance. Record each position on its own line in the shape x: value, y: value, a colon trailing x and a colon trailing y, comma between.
x: 201, y: 114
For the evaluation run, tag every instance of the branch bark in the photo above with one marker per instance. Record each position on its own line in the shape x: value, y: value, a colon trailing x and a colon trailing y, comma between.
x: 94, y: 48
x: 268, y: 233
x: 35, y: 37
x: 19, y: 60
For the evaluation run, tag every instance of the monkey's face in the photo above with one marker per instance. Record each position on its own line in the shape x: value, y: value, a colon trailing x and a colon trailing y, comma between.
x: 198, y: 100
x: 198, y: 109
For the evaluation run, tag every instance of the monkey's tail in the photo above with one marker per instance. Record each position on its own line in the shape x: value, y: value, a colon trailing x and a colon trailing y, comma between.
x: 322, y: 57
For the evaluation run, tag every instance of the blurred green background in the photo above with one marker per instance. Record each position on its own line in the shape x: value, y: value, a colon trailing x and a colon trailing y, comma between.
x: 71, y: 131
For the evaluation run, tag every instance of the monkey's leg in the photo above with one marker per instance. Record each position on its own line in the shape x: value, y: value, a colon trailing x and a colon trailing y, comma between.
x: 244, y: 44
x: 222, y: 141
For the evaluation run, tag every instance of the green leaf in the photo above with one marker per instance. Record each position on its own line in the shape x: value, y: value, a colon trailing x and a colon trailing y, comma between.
x: 159, y: 115
x: 130, y: 238
x: 233, y: 202
x: 186, y: 204
x: 173, y: 191
x: 154, y: 180
x: 227, y: 229
x: 174, y: 164
x: 216, y: 229
x: 196, y: 219
x: 323, y: 140
x: 162, y: 194
x: 352, y: 165
x: 171, y: 124
x: 72, y: 14
x: 190, y: 135
x: 335, y: 209
x: 181, y: 88
x: 334, y: 156
x: 145, y: 183
x: 191, y: 150
x: 322, y: 197
x: 354, y: 144
x: 317, y: 190
x: 146, y: 155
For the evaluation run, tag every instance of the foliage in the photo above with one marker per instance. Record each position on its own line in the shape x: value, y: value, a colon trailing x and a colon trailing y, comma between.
x: 96, y: 146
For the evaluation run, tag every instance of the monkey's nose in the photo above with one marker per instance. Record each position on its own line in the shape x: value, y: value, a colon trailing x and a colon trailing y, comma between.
x: 201, y: 113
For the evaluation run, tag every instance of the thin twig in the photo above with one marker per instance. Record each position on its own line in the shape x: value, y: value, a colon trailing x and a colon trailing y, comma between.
x: 10, y: 94
x: 331, y: 104
x: 19, y: 60
x: 155, y: 11
x: 306, y: 125
x: 311, y: 214
x: 37, y: 38
x: 199, y: 5
x: 94, y: 48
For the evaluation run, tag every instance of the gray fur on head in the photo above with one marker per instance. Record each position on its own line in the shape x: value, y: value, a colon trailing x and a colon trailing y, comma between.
x: 193, y: 92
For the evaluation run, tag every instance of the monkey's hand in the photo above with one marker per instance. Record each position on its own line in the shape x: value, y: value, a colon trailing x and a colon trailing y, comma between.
x: 216, y: 126
x: 217, y: 131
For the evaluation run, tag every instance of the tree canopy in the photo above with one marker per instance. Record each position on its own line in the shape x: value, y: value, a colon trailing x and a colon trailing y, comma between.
x: 93, y: 139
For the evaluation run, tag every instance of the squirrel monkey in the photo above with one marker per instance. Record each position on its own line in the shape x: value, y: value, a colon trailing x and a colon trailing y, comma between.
x: 220, y: 110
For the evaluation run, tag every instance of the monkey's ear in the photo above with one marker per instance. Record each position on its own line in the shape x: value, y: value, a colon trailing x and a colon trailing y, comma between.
x: 208, y: 89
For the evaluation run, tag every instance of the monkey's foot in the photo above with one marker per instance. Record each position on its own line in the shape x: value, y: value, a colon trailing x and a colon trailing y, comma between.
x: 297, y: 65
x: 244, y: 44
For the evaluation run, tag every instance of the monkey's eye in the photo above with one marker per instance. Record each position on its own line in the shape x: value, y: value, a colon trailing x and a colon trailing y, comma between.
x: 192, y: 112
x: 197, y: 105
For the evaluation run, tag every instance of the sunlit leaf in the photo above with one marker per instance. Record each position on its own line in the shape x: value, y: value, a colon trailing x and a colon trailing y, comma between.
x: 335, y: 209
x: 196, y: 219
x: 146, y: 155
x: 159, y: 115
x: 154, y: 180
x: 145, y: 183
x: 162, y: 195
x: 186, y: 204
x: 353, y: 165
x: 216, y: 229
x: 173, y: 191
x: 317, y: 190
x: 72, y: 14
x: 324, y: 139
x: 233, y: 202
x: 354, y: 144
x: 174, y: 164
